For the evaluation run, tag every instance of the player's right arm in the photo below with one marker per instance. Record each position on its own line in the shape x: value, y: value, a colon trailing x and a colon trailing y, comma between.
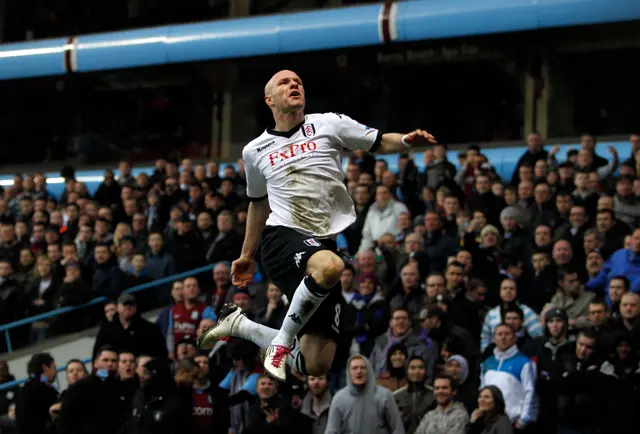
x: 257, y: 214
x: 256, y: 219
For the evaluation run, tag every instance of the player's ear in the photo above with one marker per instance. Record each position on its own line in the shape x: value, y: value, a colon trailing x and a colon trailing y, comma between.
x: 267, y: 100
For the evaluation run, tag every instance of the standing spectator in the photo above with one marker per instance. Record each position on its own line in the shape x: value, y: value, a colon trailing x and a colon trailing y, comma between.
x: 97, y: 404
x: 362, y: 407
x: 515, y: 375
x: 508, y: 295
x: 316, y: 403
x: 400, y: 331
x: 395, y: 376
x: 187, y: 315
x: 449, y: 416
x: 572, y: 298
x: 623, y: 262
x: 416, y: 398
x: 37, y: 396
x: 270, y: 414
x: 128, y: 332
x: 371, y: 315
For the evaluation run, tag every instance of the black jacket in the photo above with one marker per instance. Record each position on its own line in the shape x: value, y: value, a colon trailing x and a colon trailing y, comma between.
x: 94, y: 406
x: 32, y: 407
x: 142, y: 337
x: 166, y: 412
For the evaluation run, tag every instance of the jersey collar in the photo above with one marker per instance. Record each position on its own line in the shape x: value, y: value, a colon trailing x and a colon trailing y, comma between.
x: 289, y: 133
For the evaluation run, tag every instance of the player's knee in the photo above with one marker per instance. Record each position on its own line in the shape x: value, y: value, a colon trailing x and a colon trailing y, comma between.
x: 326, y: 268
x: 318, y: 368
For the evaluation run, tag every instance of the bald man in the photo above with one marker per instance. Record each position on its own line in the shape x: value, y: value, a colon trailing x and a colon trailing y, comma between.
x: 297, y: 167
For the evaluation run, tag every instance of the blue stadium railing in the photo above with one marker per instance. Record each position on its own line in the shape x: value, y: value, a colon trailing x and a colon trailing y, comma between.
x: 43, y: 316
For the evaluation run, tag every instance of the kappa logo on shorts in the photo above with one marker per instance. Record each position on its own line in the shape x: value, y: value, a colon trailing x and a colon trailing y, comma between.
x: 308, y: 130
x: 298, y: 257
x: 312, y: 242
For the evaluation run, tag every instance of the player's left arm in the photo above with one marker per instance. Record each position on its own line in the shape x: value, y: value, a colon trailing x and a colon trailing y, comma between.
x: 355, y: 136
x: 392, y: 143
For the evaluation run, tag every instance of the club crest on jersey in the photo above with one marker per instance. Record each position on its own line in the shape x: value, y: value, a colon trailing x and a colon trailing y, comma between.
x: 308, y: 130
x: 312, y: 242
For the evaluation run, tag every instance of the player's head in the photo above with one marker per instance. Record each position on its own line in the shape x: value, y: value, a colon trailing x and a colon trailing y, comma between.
x: 284, y: 92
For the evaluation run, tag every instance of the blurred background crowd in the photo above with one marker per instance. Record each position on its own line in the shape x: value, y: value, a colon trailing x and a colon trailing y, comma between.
x: 483, y: 295
x: 460, y: 279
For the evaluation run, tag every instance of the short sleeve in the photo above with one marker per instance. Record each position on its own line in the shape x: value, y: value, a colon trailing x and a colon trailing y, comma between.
x: 353, y: 135
x: 256, y: 182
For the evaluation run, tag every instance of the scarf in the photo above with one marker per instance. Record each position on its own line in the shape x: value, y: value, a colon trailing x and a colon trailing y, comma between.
x: 361, y: 317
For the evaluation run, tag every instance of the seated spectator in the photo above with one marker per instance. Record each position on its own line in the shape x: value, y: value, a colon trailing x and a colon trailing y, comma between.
x: 449, y: 416
x: 363, y: 404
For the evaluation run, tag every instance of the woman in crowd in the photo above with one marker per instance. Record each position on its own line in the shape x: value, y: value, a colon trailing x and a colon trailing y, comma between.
x: 395, y: 376
x: 489, y: 417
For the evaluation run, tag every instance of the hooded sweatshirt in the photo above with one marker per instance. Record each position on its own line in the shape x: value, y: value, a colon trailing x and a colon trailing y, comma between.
x: 367, y: 410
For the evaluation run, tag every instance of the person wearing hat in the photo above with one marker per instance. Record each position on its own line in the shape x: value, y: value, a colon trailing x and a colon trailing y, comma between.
x: 557, y: 350
x: 129, y: 332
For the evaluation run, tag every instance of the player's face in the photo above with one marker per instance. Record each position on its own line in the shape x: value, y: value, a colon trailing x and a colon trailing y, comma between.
x: 286, y: 92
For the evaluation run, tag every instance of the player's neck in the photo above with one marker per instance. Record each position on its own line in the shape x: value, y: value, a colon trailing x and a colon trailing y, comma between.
x: 286, y: 121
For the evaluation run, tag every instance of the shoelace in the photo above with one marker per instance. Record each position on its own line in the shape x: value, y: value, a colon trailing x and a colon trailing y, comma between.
x: 280, y: 355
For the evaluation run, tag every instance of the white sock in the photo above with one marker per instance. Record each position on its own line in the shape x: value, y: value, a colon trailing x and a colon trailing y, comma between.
x: 303, y: 305
x: 262, y: 336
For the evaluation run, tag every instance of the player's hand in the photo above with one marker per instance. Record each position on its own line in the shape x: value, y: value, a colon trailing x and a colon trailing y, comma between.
x: 242, y: 271
x: 420, y: 138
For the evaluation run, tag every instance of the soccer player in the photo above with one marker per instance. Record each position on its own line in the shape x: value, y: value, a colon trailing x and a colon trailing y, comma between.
x: 297, y: 166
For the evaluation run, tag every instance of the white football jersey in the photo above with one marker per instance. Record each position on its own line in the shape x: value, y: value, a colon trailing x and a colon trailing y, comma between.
x: 300, y: 172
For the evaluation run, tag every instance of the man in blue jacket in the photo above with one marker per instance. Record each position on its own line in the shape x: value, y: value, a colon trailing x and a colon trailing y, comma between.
x: 623, y: 262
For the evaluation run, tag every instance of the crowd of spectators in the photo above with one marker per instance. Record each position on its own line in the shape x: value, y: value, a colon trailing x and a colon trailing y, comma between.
x: 474, y: 304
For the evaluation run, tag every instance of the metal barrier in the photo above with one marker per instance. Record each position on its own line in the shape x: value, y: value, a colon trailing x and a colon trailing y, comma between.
x: 26, y: 321
x: 14, y: 383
